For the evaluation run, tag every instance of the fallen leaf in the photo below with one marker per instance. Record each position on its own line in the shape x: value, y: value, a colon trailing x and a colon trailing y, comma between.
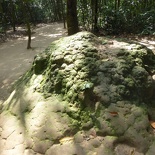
x: 113, y: 113
x: 152, y: 124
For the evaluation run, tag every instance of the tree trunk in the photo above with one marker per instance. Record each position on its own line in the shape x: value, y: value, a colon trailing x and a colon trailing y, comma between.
x: 29, y: 35
x: 63, y: 14
x: 26, y: 20
x: 31, y: 14
x: 58, y: 10
x: 94, y: 5
x: 72, y: 20
x: 13, y: 20
x: 3, y: 17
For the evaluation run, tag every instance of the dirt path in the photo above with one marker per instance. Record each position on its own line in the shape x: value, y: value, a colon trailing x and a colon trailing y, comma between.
x: 15, y: 59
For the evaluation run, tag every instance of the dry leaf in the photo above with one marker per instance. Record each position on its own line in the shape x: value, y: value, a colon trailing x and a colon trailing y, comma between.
x: 113, y: 113
x: 152, y: 124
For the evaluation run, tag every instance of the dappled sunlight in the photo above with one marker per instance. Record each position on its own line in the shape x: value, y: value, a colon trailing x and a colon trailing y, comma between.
x: 12, y: 135
x: 5, y: 83
x: 25, y: 38
x: 149, y: 43
x: 15, y: 59
x: 53, y: 35
x: 34, y: 123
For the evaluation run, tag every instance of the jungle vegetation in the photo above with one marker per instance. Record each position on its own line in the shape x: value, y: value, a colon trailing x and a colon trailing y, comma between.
x: 103, y: 16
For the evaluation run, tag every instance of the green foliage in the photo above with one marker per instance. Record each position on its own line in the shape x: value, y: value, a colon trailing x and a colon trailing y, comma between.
x: 11, y: 12
x: 110, y: 16
x: 115, y: 17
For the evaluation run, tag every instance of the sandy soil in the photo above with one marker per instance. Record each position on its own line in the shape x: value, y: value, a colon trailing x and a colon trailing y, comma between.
x: 15, y: 59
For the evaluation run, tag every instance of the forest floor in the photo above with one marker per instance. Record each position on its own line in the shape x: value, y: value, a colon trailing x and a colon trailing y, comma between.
x: 15, y: 59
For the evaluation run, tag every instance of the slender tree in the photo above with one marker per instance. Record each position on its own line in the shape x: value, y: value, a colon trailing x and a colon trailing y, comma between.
x: 63, y: 14
x: 26, y: 20
x: 4, y: 10
x: 13, y: 16
x: 94, y: 5
x: 72, y: 20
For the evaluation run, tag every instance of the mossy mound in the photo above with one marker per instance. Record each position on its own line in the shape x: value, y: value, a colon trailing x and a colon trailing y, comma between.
x: 95, y: 99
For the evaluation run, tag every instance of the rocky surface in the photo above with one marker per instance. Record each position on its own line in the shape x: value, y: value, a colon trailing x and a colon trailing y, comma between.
x: 82, y: 98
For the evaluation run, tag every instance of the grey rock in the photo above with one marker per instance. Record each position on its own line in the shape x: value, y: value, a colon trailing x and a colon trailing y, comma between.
x: 81, y: 98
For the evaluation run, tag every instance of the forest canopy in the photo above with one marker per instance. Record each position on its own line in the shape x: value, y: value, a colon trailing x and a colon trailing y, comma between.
x: 106, y: 16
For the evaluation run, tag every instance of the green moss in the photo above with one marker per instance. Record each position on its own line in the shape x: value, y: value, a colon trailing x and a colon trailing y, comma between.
x: 122, y: 90
x: 39, y: 64
x: 129, y: 82
x: 95, y: 85
x: 86, y: 85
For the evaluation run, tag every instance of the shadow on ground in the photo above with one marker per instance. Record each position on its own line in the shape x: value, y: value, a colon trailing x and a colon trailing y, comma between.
x: 15, y: 59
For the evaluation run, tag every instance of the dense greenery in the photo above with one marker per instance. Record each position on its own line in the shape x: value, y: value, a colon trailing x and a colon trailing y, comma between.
x: 107, y: 16
x: 119, y: 16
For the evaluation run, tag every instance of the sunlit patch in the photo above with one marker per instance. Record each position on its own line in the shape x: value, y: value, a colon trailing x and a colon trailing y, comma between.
x: 36, y: 80
x: 25, y: 38
x: 10, y: 97
x: 52, y: 35
x: 22, y: 38
x: 66, y: 140
x: 5, y: 83
x: 33, y: 37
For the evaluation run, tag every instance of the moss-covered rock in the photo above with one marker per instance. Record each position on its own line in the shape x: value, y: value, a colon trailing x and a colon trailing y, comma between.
x: 76, y: 87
